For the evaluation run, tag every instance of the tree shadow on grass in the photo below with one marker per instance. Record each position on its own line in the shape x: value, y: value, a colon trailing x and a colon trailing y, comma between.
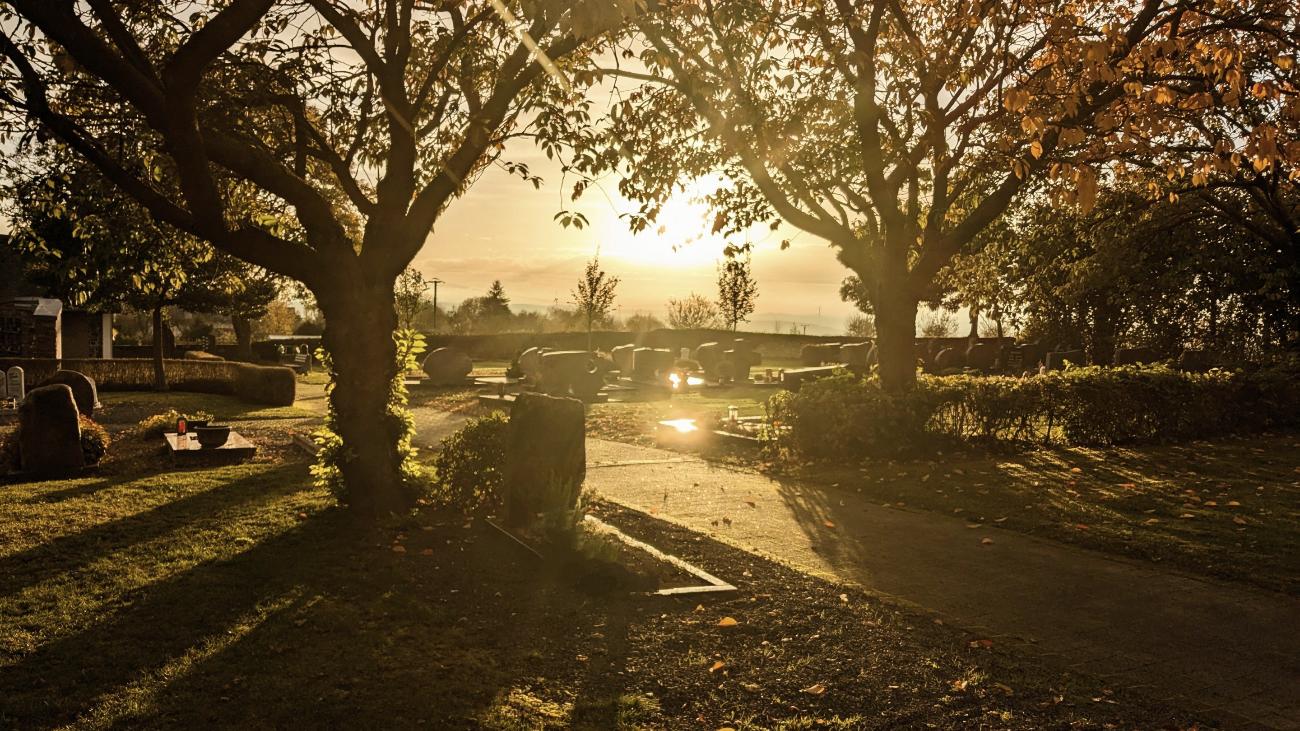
x: 323, y: 627
x: 68, y: 553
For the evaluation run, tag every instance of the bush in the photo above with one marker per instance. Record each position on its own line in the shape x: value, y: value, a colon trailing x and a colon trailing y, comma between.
x: 844, y: 416
x: 469, y: 471
x: 94, y: 440
x: 94, y: 445
x: 269, y: 385
x: 161, y: 423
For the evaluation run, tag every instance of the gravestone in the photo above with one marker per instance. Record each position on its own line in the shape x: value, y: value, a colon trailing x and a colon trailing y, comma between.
x: 49, y: 433
x: 742, y: 358
x: 1195, y: 361
x: 1056, y: 360
x: 572, y: 373
x: 83, y: 389
x: 530, y: 363
x: 709, y: 356
x: 982, y: 356
x: 815, y: 354
x: 447, y: 367
x: 857, y: 356
x: 649, y: 364
x: 15, y: 383
x: 1134, y: 356
x: 622, y: 356
x: 949, y: 359
x: 546, y: 456
x: 1014, y: 359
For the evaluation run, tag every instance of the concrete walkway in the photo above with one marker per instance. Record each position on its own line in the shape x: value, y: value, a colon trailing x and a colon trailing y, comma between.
x: 1227, y: 650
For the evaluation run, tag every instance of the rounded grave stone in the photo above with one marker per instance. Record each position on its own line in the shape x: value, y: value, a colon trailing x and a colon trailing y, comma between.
x: 83, y: 388
x: 447, y: 367
x: 49, y: 432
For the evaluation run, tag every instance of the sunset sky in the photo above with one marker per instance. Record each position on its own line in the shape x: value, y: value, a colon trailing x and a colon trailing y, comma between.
x: 503, y: 229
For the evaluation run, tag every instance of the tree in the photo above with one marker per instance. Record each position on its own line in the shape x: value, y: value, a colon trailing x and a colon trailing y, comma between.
x: 860, y: 326
x: 940, y: 115
x: 737, y: 291
x: 408, y: 297
x: 594, y: 294
x: 695, y: 312
x: 363, y: 120
x: 73, y: 227
x: 280, y: 319
x: 496, y: 303
x: 938, y: 323
x: 642, y: 322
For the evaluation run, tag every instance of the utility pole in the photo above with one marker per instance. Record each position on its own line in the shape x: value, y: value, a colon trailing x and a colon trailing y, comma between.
x: 436, y: 282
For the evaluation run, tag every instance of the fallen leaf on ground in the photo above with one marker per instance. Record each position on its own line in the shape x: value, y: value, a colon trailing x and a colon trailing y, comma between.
x: 959, y: 684
x: 999, y: 520
x: 829, y: 524
x: 814, y: 689
x: 728, y: 622
x: 1076, y: 470
x: 399, y: 549
x: 715, y: 667
x: 1128, y: 485
x: 751, y: 503
x: 1187, y: 515
x: 1150, y: 521
x: 1239, y: 520
x: 986, y: 541
x: 981, y: 643
x: 1234, y: 504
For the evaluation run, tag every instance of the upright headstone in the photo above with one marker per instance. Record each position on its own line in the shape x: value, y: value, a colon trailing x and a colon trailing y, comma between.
x: 572, y: 373
x: 709, y: 356
x: 949, y: 359
x: 17, y: 387
x: 1134, y: 356
x: 49, y: 433
x: 447, y: 367
x: 649, y: 364
x: 530, y: 363
x: 546, y: 456
x: 622, y: 356
x: 856, y: 355
x: 1056, y: 360
x: 742, y: 358
x: 981, y: 356
x: 83, y: 389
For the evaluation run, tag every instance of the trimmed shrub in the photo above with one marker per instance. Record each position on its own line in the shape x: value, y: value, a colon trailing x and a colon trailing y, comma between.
x: 470, y: 469
x: 94, y: 440
x: 269, y: 385
x: 844, y: 416
x: 199, y: 355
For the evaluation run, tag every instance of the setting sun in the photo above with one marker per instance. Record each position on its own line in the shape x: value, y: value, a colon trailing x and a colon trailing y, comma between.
x: 681, y: 235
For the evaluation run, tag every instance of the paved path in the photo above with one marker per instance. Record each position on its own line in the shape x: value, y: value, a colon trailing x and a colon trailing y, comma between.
x: 1208, y: 646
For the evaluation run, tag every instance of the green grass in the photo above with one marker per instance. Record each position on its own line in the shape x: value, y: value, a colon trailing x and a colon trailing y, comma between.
x: 1228, y: 508
x: 129, y: 407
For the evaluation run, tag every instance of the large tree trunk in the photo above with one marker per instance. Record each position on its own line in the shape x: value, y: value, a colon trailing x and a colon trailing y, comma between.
x: 243, y: 337
x: 896, y: 337
x: 159, y: 347
x: 359, y: 325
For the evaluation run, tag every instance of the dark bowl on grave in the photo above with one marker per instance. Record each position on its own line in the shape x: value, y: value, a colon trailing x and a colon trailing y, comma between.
x: 211, y: 437
x: 195, y: 424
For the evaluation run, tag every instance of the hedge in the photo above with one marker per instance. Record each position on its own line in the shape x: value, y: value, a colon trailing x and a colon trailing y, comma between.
x: 270, y: 385
x: 845, y: 416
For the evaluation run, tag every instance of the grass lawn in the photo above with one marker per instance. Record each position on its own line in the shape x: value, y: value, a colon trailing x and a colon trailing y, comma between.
x: 129, y: 407
x: 1228, y: 508
x: 241, y: 597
